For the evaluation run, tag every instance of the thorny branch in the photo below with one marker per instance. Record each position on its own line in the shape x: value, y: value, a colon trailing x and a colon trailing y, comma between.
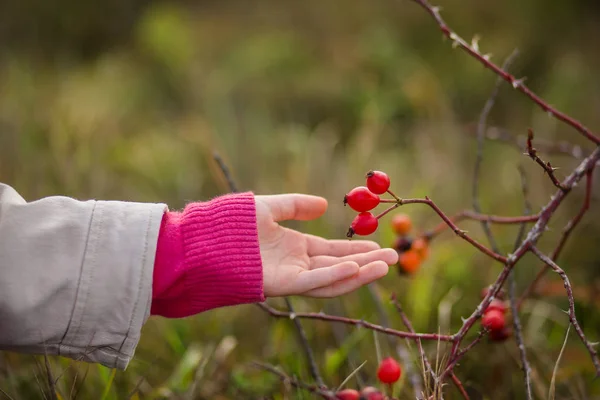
x: 572, y: 318
x: 565, y: 235
x: 518, y: 84
x: 356, y: 322
x: 546, y: 166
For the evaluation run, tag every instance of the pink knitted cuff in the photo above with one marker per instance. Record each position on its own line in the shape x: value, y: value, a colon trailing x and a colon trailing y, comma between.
x: 208, y: 256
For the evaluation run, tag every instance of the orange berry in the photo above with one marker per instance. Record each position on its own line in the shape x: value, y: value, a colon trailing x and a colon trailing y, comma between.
x: 421, y: 246
x: 409, y: 261
x: 401, y: 224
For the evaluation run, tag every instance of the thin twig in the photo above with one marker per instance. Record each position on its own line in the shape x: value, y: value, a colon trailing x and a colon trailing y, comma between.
x: 470, y: 215
x: 481, y: 127
x: 323, y: 392
x: 356, y: 322
x: 226, y: 173
x: 547, y: 167
x: 571, y: 313
x: 314, y: 369
x: 556, y: 148
x: 518, y: 84
x: 512, y: 288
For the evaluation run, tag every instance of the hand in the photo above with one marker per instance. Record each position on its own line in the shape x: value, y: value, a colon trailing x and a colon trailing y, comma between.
x: 299, y: 264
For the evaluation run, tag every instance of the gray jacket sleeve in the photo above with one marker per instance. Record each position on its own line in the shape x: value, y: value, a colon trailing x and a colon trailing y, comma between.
x: 75, y: 276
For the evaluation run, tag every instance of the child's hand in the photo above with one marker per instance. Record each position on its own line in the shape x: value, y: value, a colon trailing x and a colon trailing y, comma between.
x: 299, y: 264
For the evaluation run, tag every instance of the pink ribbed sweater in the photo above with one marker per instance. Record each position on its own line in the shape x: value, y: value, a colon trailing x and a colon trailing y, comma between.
x: 208, y: 256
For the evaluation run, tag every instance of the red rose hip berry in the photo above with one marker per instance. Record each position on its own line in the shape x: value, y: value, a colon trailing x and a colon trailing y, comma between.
x: 496, y: 305
x: 389, y: 371
x: 371, y: 393
x: 361, y: 199
x: 378, y: 182
x: 364, y: 224
x: 347, y: 394
x: 493, y: 320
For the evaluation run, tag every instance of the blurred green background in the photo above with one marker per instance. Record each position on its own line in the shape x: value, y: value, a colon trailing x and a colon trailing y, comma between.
x: 127, y: 100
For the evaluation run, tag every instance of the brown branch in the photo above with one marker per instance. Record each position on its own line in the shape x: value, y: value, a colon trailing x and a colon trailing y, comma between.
x: 548, y: 168
x: 571, y: 313
x: 314, y: 369
x: 565, y: 235
x: 323, y: 392
x: 356, y: 322
x: 460, y: 353
x: 517, y: 84
x: 459, y: 386
x: 531, y: 239
x: 454, y: 228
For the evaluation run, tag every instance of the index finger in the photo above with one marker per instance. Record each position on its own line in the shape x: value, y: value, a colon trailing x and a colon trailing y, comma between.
x: 318, y: 246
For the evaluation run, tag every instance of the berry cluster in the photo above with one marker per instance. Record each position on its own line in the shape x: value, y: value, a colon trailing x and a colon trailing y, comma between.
x: 411, y: 251
x: 494, y: 317
x: 388, y: 372
x: 365, y: 198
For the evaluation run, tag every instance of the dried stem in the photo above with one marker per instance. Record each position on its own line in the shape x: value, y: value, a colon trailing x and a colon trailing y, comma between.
x: 356, y: 322
x: 314, y: 369
x: 565, y: 235
x: 394, y: 342
x: 473, y: 50
x: 426, y: 364
x: 512, y: 288
x: 548, y: 168
x: 590, y: 347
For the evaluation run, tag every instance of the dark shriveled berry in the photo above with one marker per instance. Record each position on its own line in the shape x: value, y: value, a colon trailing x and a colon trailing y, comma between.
x: 402, y: 244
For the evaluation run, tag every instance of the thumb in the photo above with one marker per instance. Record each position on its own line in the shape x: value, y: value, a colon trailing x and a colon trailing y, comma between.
x: 295, y: 206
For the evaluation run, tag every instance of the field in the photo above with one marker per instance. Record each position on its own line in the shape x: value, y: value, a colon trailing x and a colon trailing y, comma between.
x: 129, y: 100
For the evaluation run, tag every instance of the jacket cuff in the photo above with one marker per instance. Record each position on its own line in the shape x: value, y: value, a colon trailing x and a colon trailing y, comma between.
x: 208, y: 256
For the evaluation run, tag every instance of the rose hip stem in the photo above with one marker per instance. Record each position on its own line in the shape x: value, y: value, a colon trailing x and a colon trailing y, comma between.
x: 396, y: 205
x: 393, y: 195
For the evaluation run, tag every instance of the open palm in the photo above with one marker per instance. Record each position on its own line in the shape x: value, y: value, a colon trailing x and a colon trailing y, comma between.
x: 295, y: 263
